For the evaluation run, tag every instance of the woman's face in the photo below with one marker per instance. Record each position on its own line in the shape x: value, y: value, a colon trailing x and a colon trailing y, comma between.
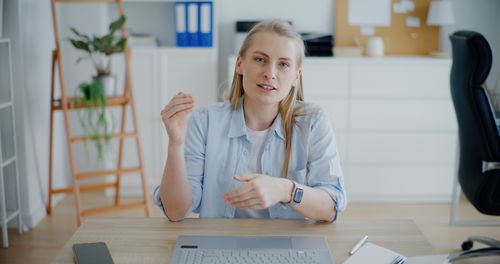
x: 269, y: 68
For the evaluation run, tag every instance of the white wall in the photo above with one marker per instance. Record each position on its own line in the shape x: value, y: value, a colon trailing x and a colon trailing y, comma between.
x: 28, y: 23
x: 307, y: 16
x: 481, y: 16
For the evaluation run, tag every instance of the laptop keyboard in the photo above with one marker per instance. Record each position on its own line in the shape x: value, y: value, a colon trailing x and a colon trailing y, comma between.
x: 212, y: 256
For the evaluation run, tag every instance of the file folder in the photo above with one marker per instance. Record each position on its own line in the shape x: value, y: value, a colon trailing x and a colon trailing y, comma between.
x: 206, y: 24
x: 181, y: 21
x: 193, y: 24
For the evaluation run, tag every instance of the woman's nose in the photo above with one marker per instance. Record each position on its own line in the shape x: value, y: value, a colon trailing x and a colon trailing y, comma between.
x: 270, y: 72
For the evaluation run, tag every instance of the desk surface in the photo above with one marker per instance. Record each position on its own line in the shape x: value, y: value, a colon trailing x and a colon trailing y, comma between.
x: 151, y: 240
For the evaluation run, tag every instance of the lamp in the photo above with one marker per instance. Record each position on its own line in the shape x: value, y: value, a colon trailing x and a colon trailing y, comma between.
x: 440, y: 14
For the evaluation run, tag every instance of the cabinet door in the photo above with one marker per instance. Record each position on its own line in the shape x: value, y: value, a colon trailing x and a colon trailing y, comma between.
x: 401, y: 79
x: 408, y: 183
x: 146, y: 88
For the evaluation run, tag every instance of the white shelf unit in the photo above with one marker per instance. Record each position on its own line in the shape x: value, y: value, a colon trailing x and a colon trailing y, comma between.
x: 394, y: 123
x: 10, y: 203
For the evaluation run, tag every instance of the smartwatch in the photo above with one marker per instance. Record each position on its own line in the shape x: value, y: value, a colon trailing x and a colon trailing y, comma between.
x: 298, y: 192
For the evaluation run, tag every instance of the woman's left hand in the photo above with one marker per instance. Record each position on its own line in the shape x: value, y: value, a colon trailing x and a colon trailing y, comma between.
x: 258, y: 192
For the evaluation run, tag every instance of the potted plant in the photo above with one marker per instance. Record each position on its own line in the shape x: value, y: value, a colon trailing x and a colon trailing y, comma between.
x: 94, y: 120
x: 99, y: 51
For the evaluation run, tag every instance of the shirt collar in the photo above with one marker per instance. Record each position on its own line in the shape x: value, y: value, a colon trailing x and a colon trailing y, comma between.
x: 237, y: 127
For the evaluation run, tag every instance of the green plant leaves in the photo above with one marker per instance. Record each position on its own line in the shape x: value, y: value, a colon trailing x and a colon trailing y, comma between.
x: 97, y: 46
x: 92, y: 118
x: 115, y: 25
x: 78, y: 33
x: 78, y: 44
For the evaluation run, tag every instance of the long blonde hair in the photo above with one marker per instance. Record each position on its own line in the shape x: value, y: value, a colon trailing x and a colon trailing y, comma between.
x: 286, y: 108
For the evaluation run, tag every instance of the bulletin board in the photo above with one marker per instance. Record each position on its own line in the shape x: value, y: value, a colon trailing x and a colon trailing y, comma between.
x: 399, y: 39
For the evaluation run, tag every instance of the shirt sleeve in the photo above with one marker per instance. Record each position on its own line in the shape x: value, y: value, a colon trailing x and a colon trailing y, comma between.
x: 194, y: 156
x: 324, y: 162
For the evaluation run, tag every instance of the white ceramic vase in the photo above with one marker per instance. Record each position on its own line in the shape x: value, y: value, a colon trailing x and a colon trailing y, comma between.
x: 374, y: 47
x: 108, y: 84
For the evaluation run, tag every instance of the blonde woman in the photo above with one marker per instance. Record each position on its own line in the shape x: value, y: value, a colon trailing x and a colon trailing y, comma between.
x: 264, y: 153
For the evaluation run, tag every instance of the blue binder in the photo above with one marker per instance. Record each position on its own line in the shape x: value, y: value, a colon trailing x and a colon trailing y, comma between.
x: 193, y: 24
x: 206, y: 24
x: 181, y: 21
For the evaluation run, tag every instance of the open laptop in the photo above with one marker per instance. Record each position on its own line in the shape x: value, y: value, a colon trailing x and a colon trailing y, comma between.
x: 251, y: 249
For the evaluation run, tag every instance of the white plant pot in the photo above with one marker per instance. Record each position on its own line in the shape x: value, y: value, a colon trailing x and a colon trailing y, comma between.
x: 374, y: 47
x: 108, y: 84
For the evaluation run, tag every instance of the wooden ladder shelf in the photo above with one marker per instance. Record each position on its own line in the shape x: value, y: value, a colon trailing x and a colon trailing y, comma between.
x: 65, y: 104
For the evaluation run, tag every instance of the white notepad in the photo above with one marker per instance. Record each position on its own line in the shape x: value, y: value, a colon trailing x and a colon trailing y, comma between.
x: 431, y: 259
x: 373, y: 254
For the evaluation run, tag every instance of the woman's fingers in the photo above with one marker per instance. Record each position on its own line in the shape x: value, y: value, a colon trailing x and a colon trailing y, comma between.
x: 178, y: 100
x: 251, y: 203
x: 179, y: 103
x: 241, y: 194
x: 234, y: 195
x: 171, y: 111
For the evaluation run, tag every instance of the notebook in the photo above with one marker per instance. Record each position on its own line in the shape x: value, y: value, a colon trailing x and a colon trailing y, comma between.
x: 430, y: 259
x: 251, y: 249
x: 373, y: 254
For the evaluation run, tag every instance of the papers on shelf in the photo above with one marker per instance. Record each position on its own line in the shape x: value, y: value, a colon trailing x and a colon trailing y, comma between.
x: 142, y: 40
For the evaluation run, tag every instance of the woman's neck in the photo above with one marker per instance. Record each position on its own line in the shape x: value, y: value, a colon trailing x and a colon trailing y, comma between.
x: 259, y: 116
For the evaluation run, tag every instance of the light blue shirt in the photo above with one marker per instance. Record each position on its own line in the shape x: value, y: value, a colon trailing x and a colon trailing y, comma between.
x: 217, y: 148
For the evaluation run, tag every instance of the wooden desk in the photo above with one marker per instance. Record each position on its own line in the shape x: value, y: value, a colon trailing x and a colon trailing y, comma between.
x: 151, y: 240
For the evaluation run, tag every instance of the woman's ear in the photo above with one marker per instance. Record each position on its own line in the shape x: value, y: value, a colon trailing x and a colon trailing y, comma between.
x: 238, y: 65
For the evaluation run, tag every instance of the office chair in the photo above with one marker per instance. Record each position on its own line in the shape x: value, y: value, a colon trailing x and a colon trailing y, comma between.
x: 479, y: 137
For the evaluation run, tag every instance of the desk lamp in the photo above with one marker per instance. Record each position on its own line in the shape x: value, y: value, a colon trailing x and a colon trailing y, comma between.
x: 440, y: 14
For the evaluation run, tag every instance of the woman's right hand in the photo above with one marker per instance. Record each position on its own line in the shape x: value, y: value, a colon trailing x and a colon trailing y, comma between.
x: 175, y: 115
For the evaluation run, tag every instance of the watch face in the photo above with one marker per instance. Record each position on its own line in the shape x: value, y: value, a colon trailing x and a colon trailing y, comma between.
x: 297, y: 197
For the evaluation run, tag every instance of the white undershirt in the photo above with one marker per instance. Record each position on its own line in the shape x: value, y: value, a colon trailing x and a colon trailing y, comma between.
x: 257, y: 139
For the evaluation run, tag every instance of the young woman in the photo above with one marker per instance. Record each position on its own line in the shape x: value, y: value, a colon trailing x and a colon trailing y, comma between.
x: 263, y: 154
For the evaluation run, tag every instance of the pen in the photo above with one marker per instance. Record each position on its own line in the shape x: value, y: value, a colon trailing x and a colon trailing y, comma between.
x: 358, y: 245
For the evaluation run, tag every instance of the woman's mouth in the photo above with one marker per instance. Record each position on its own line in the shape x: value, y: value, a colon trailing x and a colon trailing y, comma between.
x: 266, y: 87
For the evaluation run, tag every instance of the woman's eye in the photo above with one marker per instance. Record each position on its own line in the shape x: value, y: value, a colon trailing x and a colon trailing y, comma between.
x: 284, y: 65
x: 259, y: 59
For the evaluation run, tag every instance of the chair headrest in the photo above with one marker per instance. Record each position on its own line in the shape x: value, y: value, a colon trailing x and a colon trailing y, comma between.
x: 477, y: 51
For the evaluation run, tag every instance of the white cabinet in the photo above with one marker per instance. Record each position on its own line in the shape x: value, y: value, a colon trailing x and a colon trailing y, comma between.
x: 394, y: 122
x: 158, y: 74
